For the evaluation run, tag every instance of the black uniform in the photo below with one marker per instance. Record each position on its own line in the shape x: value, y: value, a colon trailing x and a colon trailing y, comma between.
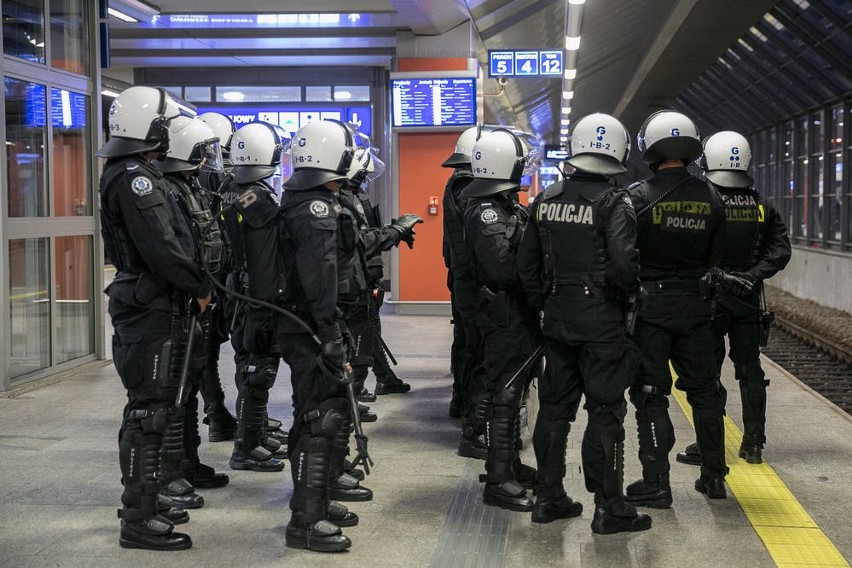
x: 148, y: 299
x: 362, y: 314
x: 470, y: 390
x: 315, y: 278
x: 755, y: 245
x: 222, y: 424
x: 198, y: 234
x: 578, y: 262
x: 508, y: 327
x: 680, y: 238
x: 253, y: 224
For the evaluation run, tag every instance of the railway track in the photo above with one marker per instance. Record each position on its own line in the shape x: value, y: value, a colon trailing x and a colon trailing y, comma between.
x: 820, y: 363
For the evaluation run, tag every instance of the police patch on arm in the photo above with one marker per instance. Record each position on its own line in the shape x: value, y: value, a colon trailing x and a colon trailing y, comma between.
x: 141, y: 186
x: 488, y: 217
x: 319, y: 208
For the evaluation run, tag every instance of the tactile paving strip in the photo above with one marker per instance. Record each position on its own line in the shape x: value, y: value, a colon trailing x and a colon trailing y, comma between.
x: 790, y: 535
x: 474, y: 535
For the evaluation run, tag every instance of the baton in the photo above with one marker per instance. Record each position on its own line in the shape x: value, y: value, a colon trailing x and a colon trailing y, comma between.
x: 387, y: 349
x: 532, y: 360
x: 187, y: 361
x: 362, y: 456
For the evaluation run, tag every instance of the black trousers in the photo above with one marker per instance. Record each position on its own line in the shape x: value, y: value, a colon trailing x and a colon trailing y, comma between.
x: 675, y: 326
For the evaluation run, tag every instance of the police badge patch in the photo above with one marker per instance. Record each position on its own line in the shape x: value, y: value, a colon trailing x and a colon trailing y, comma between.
x: 141, y: 186
x: 319, y: 208
x: 489, y: 216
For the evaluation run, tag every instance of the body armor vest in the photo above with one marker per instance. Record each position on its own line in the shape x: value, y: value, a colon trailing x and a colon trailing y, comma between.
x: 204, y: 229
x: 454, y: 211
x: 745, y: 225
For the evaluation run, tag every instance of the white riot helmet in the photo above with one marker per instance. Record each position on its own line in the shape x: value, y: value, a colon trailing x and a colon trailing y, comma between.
x: 223, y: 128
x: 726, y: 160
x: 497, y: 161
x: 192, y: 146
x: 321, y: 152
x: 599, y: 144
x: 464, y: 148
x: 667, y: 134
x: 138, y: 121
x: 256, y: 151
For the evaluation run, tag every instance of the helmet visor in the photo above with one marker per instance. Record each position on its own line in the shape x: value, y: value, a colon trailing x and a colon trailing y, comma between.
x: 211, y: 156
x: 378, y: 168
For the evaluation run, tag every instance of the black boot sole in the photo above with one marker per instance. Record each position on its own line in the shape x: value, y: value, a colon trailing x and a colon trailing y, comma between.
x: 125, y: 543
x: 221, y: 436
x: 575, y: 511
x: 471, y: 451
x: 302, y: 544
x: 613, y: 529
x: 507, y: 505
x: 702, y: 489
x: 255, y: 467
x: 751, y: 458
x: 658, y: 503
x: 217, y: 482
x: 349, y: 498
x: 688, y: 459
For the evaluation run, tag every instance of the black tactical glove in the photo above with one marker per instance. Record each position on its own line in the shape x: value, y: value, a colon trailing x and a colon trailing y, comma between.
x: 405, y: 227
x: 334, y: 353
x: 739, y: 283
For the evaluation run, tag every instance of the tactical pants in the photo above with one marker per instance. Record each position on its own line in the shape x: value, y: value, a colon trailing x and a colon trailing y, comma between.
x: 147, y: 353
x: 675, y: 326
x: 469, y: 367
x: 508, y: 340
x: 211, y: 383
x: 740, y: 321
x: 362, y: 340
x: 320, y: 411
x: 381, y: 365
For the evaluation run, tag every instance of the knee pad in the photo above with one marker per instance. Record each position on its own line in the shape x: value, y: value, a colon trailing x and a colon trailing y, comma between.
x: 327, y: 420
x: 509, y: 397
x: 261, y: 375
x: 646, y: 397
x: 607, y: 414
x: 152, y: 420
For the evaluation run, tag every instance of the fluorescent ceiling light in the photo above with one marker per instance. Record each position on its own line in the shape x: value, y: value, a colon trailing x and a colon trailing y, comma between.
x: 567, y: 95
x: 572, y: 43
x: 342, y: 95
x: 570, y: 73
x: 233, y: 96
x: 121, y: 16
x: 109, y: 93
x: 577, y: 2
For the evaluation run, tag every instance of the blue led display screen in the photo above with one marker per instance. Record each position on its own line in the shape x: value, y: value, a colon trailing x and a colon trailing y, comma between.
x: 434, y: 102
x: 525, y: 63
x: 291, y: 118
x: 67, y: 108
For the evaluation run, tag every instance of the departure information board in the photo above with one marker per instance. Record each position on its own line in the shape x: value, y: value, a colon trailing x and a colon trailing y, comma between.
x: 434, y: 102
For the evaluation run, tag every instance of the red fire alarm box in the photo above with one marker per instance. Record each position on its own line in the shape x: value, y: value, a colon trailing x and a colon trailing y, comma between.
x: 433, y: 205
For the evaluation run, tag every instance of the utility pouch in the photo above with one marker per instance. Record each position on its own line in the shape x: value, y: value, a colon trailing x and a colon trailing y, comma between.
x: 766, y: 319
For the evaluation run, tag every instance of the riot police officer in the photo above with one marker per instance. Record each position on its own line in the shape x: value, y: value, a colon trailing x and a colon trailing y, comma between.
x: 222, y: 425
x: 680, y: 220
x: 756, y: 247
x: 252, y: 223
x: 470, y: 390
x: 507, y: 323
x: 363, y: 314
x: 314, y: 239
x: 578, y: 263
x: 155, y: 280
x: 192, y: 146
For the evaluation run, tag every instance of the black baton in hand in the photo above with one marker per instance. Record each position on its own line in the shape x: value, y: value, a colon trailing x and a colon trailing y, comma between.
x: 533, y: 359
x: 362, y: 456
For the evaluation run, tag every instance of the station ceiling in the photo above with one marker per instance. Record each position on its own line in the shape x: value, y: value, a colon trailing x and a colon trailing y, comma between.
x: 635, y: 57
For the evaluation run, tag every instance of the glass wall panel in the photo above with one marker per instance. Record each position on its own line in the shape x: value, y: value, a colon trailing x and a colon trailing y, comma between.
x: 197, y: 94
x: 29, y: 305
x: 23, y: 29
x: 835, y: 196
x: 26, y: 137
x: 352, y: 93
x: 73, y: 315
x: 318, y: 93
x: 817, y: 204
x: 69, y: 35
x: 835, y: 136
x: 801, y: 197
x: 819, y: 133
x: 71, y: 192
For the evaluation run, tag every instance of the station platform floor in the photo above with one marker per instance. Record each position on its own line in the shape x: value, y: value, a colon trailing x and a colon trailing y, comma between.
x: 59, y: 486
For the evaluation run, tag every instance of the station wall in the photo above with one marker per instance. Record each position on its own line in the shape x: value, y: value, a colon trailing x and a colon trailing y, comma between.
x: 818, y: 275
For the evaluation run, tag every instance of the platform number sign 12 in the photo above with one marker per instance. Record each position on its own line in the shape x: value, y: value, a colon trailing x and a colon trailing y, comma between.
x: 550, y: 62
x: 525, y: 63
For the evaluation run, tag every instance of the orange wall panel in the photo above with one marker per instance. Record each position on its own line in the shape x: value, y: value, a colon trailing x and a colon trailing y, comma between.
x: 422, y: 275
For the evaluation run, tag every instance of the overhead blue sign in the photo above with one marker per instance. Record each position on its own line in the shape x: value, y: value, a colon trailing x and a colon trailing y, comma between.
x: 502, y: 63
x: 525, y: 63
x: 550, y: 62
x: 291, y: 118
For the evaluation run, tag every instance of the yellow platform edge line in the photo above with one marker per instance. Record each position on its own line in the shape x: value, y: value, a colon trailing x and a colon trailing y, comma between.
x: 789, y: 534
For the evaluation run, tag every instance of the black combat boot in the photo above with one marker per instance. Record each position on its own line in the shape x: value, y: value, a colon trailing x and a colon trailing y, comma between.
x: 172, y: 514
x: 342, y: 486
x: 251, y: 448
x: 203, y: 476
x: 365, y: 414
x: 549, y: 508
x: 221, y: 424
x: 501, y: 488
x: 340, y: 515
x: 386, y: 380
x: 199, y: 475
x: 139, y: 456
x: 711, y: 485
x: 751, y: 451
x: 651, y: 491
x: 176, y: 490
x: 311, y: 466
x: 691, y: 455
x: 473, y: 443
x: 614, y: 516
